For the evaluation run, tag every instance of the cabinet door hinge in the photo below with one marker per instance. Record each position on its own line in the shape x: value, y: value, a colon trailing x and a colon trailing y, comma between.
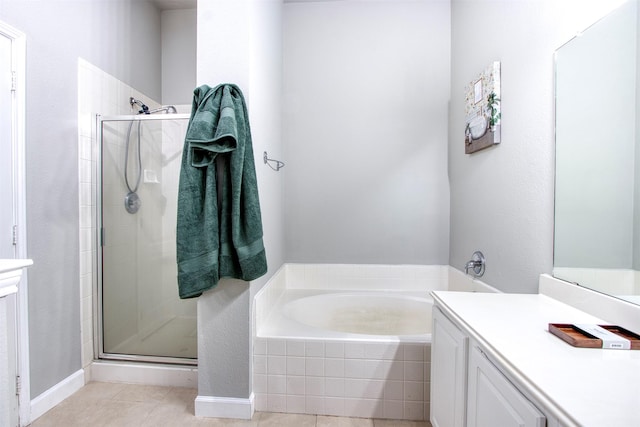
x: 14, y: 234
x: 14, y: 81
x: 18, y: 384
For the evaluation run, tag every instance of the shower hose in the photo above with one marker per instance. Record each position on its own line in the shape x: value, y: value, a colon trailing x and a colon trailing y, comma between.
x: 132, y: 201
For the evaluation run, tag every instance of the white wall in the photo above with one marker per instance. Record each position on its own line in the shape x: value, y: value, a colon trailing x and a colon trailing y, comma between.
x: 178, y: 55
x: 58, y: 33
x: 365, y: 127
x: 243, y: 48
x: 502, y: 197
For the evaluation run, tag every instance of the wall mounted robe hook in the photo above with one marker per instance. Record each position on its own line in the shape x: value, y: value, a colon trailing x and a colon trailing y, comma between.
x: 276, y: 165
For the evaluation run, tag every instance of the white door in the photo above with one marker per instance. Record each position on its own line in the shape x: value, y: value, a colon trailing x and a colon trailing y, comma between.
x: 7, y: 248
x: 13, y: 219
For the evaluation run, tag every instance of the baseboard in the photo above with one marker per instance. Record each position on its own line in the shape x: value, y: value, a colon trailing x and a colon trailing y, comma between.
x: 56, y: 394
x: 224, y: 407
x: 142, y: 373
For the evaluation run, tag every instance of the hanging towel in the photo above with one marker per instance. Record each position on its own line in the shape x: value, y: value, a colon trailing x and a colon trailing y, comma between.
x: 219, y: 229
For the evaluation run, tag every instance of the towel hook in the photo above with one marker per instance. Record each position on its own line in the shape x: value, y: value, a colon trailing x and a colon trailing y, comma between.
x: 267, y: 161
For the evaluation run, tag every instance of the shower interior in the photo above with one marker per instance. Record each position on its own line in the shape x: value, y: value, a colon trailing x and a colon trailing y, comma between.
x: 140, y: 316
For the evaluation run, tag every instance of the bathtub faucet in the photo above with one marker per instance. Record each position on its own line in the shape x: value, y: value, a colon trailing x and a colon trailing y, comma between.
x: 476, y: 265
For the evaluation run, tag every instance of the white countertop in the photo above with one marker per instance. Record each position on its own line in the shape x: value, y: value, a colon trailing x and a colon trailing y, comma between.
x: 14, y: 264
x: 583, y: 386
x: 10, y: 272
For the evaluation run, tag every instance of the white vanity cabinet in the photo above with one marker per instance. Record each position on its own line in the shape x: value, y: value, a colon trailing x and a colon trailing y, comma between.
x: 494, y: 363
x: 448, y: 372
x: 492, y: 400
x: 10, y: 275
x: 467, y: 389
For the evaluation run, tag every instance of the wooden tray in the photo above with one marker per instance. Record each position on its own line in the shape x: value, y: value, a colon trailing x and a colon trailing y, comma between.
x: 578, y: 338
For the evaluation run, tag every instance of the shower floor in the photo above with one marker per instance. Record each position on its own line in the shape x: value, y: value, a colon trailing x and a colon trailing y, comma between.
x: 175, y: 338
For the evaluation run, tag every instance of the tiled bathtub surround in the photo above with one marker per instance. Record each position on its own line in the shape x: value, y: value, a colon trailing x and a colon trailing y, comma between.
x: 344, y: 377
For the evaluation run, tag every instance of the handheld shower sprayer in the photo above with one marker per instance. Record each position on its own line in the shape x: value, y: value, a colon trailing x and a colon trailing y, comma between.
x: 143, y: 108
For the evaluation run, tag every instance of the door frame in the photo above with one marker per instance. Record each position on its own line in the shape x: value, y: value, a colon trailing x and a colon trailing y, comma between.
x: 18, y: 64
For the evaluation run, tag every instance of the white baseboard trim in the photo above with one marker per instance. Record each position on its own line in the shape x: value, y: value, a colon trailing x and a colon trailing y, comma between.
x: 56, y: 394
x: 141, y: 373
x: 224, y: 407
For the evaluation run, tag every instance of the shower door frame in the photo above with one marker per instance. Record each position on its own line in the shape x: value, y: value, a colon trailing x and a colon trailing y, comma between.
x: 98, y: 298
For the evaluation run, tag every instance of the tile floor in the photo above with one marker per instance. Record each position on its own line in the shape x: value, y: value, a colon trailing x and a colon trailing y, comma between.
x: 123, y: 405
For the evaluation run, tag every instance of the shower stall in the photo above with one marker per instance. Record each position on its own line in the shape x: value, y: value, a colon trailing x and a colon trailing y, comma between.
x: 139, y: 314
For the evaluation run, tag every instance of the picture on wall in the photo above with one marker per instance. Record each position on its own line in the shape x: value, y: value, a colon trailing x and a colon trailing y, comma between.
x: 482, y: 110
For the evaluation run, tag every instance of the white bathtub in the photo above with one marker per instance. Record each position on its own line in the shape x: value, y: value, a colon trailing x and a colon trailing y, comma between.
x: 364, y: 313
x: 305, y: 362
x: 317, y: 349
x: 377, y: 316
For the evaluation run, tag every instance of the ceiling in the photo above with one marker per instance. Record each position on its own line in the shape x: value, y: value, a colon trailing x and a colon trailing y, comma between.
x: 175, y: 4
x: 191, y: 4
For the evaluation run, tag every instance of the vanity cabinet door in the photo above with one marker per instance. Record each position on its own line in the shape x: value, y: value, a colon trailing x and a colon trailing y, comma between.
x: 493, y: 400
x: 448, y: 372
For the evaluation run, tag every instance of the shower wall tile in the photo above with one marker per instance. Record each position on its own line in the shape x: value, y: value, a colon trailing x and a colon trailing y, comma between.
x: 394, y: 390
x: 296, y: 404
x: 295, y: 365
x: 314, y: 405
x: 413, y: 371
x: 334, y: 367
x: 334, y: 387
x: 260, y: 383
x: 314, y: 349
x: 334, y: 406
x: 276, y: 365
x: 414, y: 410
x: 334, y: 349
x: 296, y: 385
x: 314, y: 386
x: 414, y: 352
x: 259, y: 364
x: 260, y: 346
x: 277, y: 347
x: 314, y: 366
x: 276, y: 403
x: 394, y: 409
x: 276, y: 384
x: 295, y: 348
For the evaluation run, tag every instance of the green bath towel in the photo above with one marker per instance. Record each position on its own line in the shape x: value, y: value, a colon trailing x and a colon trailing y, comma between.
x: 219, y: 229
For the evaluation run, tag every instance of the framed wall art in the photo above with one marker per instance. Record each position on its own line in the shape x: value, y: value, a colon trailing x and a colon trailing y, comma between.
x: 482, y: 110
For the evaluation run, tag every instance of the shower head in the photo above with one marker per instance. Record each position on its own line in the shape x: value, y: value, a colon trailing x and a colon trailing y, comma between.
x: 143, y: 108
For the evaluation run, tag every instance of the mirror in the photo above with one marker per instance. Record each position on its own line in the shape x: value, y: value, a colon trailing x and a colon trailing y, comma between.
x: 597, y: 207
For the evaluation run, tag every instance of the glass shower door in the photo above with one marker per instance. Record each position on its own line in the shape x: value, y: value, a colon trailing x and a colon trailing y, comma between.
x: 141, y: 315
